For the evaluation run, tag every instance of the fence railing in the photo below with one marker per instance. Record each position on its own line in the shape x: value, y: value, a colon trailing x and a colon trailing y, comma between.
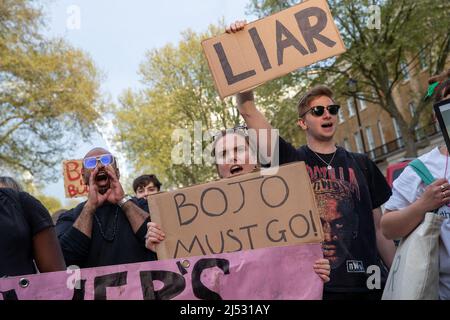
x: 421, y: 134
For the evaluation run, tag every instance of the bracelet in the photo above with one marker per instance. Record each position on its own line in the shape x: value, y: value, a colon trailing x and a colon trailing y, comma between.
x: 124, y: 200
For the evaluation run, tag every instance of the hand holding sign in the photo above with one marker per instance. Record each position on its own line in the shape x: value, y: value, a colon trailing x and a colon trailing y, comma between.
x: 243, y: 212
x: 236, y: 26
x: 154, y: 236
x: 272, y: 47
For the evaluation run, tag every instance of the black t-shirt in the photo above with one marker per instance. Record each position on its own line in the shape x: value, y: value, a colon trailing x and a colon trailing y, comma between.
x: 345, y: 197
x: 21, y: 218
x: 112, y: 241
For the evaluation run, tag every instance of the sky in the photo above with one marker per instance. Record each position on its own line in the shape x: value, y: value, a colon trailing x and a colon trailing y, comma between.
x: 117, y: 34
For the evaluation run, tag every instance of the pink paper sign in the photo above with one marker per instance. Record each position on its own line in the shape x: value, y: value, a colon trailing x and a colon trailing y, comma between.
x: 263, y: 274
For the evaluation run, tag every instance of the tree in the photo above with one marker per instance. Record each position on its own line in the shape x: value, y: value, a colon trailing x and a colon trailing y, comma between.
x: 412, y: 32
x: 179, y: 92
x: 49, y: 93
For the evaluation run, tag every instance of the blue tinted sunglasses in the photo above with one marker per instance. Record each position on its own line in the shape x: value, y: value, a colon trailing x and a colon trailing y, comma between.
x: 105, y: 159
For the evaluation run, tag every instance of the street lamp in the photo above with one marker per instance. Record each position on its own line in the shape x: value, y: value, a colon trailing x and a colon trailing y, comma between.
x: 352, y: 85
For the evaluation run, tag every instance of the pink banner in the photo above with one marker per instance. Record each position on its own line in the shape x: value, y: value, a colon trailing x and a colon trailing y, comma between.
x: 276, y: 273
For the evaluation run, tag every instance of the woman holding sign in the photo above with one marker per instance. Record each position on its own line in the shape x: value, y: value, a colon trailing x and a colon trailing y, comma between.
x: 233, y: 154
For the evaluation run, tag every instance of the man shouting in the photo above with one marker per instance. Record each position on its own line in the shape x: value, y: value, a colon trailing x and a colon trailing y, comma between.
x: 109, y: 228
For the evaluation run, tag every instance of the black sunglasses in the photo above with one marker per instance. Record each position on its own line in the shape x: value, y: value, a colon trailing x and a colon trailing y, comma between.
x: 318, y: 111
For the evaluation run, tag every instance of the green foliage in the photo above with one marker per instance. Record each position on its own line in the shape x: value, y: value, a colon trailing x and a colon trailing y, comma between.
x: 263, y: 8
x: 410, y: 31
x: 51, y: 203
x: 179, y: 91
x: 49, y: 93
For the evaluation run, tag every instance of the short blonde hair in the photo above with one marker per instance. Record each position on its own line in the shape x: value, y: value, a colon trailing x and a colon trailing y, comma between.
x: 311, y: 94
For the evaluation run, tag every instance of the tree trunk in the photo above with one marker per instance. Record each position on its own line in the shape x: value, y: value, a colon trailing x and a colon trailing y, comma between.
x: 410, y: 144
x: 408, y: 136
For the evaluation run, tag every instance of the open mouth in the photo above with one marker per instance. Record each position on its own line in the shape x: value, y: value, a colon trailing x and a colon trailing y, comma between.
x: 102, y: 179
x: 236, y: 169
x: 327, y: 125
x: 101, y: 176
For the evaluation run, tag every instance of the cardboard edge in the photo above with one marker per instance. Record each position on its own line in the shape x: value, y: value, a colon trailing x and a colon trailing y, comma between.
x: 66, y: 194
x: 161, y: 248
x: 212, y: 70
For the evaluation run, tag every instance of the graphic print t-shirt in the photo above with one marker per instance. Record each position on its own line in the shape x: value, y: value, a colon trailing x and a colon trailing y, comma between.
x: 345, y: 196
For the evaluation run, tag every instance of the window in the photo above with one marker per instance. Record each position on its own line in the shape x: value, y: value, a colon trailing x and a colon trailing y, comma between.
x: 362, y: 102
x: 370, y: 141
x: 412, y: 110
x: 423, y: 60
x: 341, y: 116
x: 351, y: 107
x: 381, y: 133
x: 374, y: 94
x: 405, y: 71
x: 358, y: 141
x: 398, y: 133
x: 347, y: 145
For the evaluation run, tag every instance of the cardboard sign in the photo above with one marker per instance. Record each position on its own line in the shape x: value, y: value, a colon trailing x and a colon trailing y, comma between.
x: 283, y: 273
x: 74, y: 186
x: 244, y: 212
x: 272, y: 47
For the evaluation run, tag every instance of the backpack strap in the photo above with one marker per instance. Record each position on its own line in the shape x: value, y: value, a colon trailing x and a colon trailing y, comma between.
x: 422, y: 171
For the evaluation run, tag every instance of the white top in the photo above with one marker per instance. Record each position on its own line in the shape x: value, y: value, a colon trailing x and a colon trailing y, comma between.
x: 407, y: 188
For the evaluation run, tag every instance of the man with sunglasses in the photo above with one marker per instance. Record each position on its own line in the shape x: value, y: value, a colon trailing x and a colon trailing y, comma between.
x: 349, y: 190
x: 109, y: 228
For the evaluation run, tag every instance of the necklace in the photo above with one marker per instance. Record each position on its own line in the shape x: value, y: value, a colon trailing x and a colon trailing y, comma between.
x: 329, y: 167
x: 109, y: 239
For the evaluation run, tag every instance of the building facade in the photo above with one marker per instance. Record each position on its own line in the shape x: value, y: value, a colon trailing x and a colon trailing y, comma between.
x: 383, y: 141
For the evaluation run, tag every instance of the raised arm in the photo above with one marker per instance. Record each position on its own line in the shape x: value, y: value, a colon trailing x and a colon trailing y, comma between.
x: 135, y: 215
x: 245, y: 100
x: 84, y: 221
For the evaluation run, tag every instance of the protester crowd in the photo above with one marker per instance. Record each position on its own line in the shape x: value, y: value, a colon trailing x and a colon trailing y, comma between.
x: 111, y: 227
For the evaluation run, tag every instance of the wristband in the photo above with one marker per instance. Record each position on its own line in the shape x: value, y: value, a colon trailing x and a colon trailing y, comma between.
x: 124, y: 200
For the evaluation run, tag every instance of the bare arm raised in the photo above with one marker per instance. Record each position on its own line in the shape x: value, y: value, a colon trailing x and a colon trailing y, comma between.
x: 135, y: 215
x: 95, y: 199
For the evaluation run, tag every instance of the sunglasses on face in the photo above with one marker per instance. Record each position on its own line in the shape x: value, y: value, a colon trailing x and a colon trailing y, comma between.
x: 105, y: 159
x: 318, y: 111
